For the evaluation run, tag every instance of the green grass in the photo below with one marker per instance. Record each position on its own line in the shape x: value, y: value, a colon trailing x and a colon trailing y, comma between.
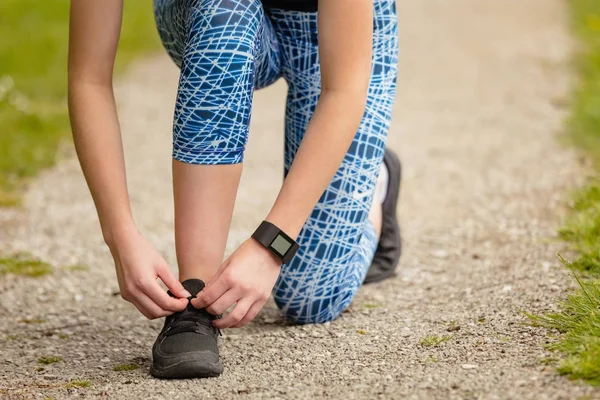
x: 125, y: 367
x: 582, y: 230
x: 24, y: 265
x: 548, y: 361
x: 434, y: 340
x: 33, y: 85
x: 49, y: 360
x: 14, y: 337
x: 78, y: 384
x: 584, y: 124
x: 578, y: 318
x: 77, y: 268
x: 579, y: 321
x: 32, y: 321
x: 370, y: 306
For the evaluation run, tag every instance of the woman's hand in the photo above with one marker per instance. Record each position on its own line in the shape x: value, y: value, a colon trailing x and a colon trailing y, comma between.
x: 245, y: 279
x: 138, y: 265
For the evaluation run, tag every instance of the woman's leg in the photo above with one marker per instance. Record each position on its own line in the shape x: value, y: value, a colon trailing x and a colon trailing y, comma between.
x: 338, y: 241
x: 225, y: 48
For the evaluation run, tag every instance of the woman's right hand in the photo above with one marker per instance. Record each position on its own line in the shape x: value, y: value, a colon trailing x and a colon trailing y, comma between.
x: 138, y: 266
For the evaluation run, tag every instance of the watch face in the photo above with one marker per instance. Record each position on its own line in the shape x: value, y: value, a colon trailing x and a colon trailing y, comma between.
x: 281, y: 245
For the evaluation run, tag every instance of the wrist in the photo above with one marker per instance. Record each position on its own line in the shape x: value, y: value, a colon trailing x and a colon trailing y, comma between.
x: 290, y: 225
x: 118, y: 233
x: 263, y: 250
x: 276, y: 241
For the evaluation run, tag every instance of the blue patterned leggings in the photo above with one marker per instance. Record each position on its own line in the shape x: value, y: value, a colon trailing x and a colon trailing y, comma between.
x: 228, y: 48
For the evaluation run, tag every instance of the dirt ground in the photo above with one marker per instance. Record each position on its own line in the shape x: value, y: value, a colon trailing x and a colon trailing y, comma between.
x: 481, y: 95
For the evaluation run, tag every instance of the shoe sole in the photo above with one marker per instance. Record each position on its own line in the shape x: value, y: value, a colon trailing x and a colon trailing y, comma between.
x: 185, y: 366
x: 390, y: 213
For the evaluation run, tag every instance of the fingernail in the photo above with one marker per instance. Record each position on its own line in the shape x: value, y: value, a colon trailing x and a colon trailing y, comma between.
x: 187, y: 294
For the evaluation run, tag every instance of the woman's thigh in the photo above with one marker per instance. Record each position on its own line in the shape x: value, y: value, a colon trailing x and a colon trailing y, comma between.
x: 337, y: 242
x: 225, y: 49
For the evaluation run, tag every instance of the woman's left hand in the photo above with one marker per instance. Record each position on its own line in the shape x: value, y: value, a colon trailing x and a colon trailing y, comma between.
x: 245, y: 279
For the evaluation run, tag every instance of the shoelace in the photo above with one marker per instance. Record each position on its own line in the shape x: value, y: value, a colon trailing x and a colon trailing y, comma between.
x: 197, y: 321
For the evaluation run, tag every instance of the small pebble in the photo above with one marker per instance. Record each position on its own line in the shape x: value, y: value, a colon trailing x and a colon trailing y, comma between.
x: 439, y: 253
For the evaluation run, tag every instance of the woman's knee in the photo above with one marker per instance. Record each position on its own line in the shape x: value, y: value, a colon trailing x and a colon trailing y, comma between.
x: 214, y: 100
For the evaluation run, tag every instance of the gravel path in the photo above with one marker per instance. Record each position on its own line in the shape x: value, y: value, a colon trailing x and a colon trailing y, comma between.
x: 481, y: 97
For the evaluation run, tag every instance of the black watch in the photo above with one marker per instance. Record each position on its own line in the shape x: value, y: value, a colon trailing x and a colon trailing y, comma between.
x: 276, y: 241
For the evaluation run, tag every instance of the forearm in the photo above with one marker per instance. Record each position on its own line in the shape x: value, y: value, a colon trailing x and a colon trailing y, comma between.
x: 99, y: 147
x: 326, y: 141
x: 345, y: 49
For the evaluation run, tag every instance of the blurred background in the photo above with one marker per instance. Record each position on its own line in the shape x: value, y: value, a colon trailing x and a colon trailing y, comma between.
x: 33, y: 73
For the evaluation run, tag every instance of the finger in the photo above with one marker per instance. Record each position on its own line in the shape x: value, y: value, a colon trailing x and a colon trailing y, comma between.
x: 149, y: 308
x: 141, y: 309
x: 223, y: 303
x: 236, y: 315
x: 211, y: 293
x: 162, y: 299
x: 250, y: 315
x: 166, y: 275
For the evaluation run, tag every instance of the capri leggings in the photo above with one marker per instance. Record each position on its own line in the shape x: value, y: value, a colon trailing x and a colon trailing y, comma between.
x: 226, y: 49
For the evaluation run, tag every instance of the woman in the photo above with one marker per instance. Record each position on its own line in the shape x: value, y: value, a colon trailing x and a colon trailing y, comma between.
x: 333, y: 225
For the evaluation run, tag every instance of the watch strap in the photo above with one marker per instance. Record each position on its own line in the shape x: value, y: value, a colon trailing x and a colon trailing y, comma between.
x: 267, y: 232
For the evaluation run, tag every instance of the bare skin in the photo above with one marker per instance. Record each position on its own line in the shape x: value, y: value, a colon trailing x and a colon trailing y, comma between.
x: 202, y: 218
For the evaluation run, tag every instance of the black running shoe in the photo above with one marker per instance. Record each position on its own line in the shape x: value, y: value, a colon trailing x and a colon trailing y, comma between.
x: 389, y: 248
x: 187, y: 345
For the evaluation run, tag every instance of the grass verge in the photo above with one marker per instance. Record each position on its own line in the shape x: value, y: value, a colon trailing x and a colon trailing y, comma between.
x: 434, y: 340
x: 125, y: 367
x: 49, y: 360
x: 579, y: 321
x: 33, y: 110
x: 579, y: 314
x: 24, y: 265
x: 78, y: 384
